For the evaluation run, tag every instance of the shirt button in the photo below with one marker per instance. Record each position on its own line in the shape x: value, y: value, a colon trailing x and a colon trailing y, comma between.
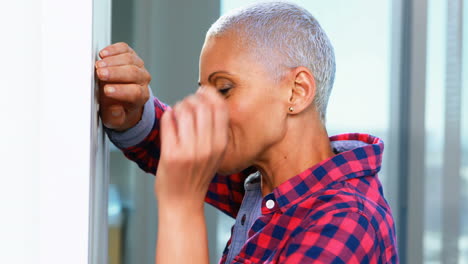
x: 243, y: 219
x: 270, y: 204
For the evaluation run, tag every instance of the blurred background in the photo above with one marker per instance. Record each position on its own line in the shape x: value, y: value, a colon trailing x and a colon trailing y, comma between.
x: 400, y: 76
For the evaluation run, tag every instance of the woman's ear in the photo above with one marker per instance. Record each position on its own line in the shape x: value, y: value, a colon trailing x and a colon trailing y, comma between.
x: 302, y: 91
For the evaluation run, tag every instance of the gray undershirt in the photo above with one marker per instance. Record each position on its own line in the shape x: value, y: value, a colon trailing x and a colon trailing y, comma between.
x: 249, y: 212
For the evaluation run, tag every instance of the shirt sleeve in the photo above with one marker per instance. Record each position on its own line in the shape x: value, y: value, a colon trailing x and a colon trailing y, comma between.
x: 142, y: 145
x: 346, y: 237
x: 227, y: 192
x: 140, y: 131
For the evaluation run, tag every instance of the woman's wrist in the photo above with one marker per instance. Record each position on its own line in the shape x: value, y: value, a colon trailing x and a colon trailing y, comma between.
x: 182, y: 236
x: 172, y: 211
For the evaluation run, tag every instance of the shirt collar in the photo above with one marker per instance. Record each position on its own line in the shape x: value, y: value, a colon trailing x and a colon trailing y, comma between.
x: 358, y: 155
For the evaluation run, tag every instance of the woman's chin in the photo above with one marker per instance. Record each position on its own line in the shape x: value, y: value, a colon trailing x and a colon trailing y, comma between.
x: 226, y: 171
x: 229, y: 168
x: 231, y: 164
x: 226, y: 168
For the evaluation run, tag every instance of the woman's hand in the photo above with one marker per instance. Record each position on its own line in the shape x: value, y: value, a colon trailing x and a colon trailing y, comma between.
x: 193, y: 140
x: 124, y: 86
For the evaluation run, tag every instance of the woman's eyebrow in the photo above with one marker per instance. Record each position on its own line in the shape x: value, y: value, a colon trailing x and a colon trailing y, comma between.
x: 217, y: 72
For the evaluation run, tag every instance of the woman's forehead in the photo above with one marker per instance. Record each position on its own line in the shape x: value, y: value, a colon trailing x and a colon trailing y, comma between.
x: 223, y: 54
x: 221, y: 47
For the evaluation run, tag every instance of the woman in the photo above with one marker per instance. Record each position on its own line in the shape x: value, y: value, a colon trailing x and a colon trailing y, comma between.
x: 256, y: 124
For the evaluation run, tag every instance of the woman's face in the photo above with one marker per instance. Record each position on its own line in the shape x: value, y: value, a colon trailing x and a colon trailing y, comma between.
x: 257, y: 102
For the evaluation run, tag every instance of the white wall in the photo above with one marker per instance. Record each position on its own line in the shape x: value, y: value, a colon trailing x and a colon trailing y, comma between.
x: 19, y: 164
x: 45, y: 112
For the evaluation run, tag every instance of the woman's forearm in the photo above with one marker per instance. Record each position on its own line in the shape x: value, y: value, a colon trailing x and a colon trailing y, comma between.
x: 182, y: 235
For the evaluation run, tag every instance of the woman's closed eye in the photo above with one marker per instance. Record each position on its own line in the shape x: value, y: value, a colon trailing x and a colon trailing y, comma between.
x: 224, y: 91
x: 223, y: 85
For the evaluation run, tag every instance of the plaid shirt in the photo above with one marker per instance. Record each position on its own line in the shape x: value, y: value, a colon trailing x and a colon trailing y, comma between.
x: 333, y: 212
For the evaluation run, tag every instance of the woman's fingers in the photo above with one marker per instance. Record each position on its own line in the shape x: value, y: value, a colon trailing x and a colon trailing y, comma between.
x: 203, y: 126
x: 115, y: 49
x: 124, y: 74
x: 185, y: 120
x: 134, y: 94
x: 190, y: 148
x: 126, y: 82
x: 169, y: 141
x: 220, y: 120
x: 198, y: 130
x: 113, y: 116
x: 128, y: 58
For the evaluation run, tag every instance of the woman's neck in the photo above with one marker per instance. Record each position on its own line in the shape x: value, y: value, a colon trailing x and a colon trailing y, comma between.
x: 301, y: 148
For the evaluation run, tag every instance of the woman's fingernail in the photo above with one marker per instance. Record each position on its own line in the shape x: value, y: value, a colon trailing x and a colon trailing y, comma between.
x: 103, y: 73
x: 116, y: 113
x: 109, y: 89
x: 101, y: 64
x: 104, y: 53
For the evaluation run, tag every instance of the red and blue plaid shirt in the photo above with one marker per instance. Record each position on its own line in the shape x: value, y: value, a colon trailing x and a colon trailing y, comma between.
x: 333, y: 212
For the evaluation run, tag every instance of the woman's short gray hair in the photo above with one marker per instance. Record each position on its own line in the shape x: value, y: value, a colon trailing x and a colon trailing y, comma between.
x: 282, y: 34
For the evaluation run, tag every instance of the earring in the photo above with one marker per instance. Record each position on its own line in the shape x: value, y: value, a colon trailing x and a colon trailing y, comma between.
x: 291, y: 109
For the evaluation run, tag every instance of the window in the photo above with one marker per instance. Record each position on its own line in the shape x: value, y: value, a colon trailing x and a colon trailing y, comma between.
x: 446, y: 175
